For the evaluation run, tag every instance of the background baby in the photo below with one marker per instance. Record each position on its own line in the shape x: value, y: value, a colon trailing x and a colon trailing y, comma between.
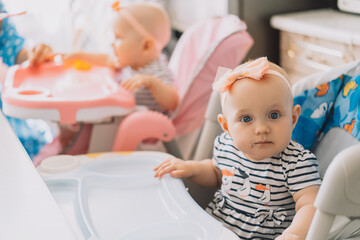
x: 141, y: 32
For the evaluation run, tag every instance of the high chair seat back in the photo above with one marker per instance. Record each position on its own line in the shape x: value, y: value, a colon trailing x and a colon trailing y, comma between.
x: 329, y: 126
x: 219, y: 41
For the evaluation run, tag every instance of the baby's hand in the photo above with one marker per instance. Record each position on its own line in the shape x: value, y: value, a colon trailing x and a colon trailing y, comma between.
x: 176, y: 167
x: 288, y: 236
x: 39, y: 54
x: 138, y: 80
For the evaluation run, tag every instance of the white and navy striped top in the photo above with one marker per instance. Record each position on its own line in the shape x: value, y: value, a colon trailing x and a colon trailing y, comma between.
x: 159, y: 69
x: 255, y: 200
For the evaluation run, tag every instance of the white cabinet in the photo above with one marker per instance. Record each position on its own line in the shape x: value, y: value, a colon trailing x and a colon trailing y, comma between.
x: 316, y: 40
x: 184, y: 13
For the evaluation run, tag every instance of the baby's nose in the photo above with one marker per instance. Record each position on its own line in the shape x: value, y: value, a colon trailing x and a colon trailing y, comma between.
x: 262, y: 128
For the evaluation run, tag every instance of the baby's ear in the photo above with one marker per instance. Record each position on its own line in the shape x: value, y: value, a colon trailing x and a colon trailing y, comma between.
x: 295, y: 114
x: 148, y: 45
x: 223, y: 123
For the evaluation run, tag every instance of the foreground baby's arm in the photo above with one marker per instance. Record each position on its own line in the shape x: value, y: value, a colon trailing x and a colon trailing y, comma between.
x: 305, y: 210
x: 165, y: 95
x: 202, y: 172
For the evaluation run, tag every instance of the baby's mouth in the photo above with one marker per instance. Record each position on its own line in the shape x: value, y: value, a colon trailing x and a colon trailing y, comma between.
x: 263, y: 142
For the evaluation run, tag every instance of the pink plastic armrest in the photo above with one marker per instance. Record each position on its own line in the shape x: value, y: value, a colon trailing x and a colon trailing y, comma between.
x: 142, y: 125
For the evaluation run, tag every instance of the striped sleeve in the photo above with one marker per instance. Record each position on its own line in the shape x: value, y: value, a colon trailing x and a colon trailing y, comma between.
x: 216, y: 152
x: 163, y: 72
x: 301, y: 168
x: 224, y: 151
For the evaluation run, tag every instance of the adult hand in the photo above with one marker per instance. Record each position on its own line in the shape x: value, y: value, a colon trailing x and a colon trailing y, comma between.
x: 39, y: 54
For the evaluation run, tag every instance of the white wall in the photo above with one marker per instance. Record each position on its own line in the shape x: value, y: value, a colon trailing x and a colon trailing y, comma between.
x: 73, y: 25
x: 183, y: 13
x: 66, y: 25
x: 46, y: 21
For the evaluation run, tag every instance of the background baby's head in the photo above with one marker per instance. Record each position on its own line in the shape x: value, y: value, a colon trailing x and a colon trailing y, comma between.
x: 154, y: 19
x: 141, y: 31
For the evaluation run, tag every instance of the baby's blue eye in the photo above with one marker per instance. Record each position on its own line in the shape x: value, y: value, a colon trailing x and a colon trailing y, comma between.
x: 274, y: 115
x: 246, y: 119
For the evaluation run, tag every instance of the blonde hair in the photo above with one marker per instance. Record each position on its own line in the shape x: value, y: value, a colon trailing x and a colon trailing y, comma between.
x: 154, y: 19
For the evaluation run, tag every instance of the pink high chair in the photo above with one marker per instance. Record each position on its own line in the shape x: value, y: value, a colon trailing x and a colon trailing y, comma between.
x: 219, y: 41
x: 202, y: 48
x: 78, y: 92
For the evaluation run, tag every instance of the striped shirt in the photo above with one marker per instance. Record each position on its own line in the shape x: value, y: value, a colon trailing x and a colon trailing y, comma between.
x: 159, y: 69
x: 256, y: 197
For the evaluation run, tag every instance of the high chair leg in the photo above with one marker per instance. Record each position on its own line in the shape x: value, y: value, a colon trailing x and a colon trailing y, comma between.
x: 321, y: 226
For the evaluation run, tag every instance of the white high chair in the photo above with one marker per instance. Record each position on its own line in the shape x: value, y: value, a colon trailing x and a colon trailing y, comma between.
x: 115, y: 196
x: 338, y: 194
x: 338, y: 200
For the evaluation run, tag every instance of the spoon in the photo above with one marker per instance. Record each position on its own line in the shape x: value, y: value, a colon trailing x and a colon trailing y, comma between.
x: 7, y: 15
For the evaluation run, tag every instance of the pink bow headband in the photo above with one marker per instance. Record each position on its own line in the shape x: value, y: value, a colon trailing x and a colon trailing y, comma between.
x: 138, y: 27
x: 255, y: 70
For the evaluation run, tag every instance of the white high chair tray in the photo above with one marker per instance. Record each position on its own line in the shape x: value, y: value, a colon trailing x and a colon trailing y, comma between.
x: 115, y: 196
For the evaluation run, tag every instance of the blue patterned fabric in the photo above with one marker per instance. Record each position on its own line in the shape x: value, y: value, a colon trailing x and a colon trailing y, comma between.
x: 10, y: 42
x: 32, y: 133
x: 346, y: 109
x: 315, y: 107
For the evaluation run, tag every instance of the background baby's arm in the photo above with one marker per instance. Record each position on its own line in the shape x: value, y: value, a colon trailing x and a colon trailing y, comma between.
x: 165, y: 95
x: 95, y: 58
x: 305, y: 210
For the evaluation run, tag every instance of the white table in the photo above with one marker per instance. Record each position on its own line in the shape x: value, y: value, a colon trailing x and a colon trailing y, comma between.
x: 27, y: 209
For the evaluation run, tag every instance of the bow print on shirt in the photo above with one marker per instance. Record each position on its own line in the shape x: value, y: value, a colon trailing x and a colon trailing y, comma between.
x: 277, y: 215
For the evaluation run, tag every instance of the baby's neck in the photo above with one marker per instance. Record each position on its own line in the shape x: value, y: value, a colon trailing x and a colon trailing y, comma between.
x: 145, y: 62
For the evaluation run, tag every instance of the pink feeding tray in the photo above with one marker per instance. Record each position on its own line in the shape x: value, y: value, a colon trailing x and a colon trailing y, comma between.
x: 65, y: 93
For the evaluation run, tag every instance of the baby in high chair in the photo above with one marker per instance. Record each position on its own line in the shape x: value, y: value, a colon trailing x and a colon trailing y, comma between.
x: 141, y: 32
x: 268, y: 182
